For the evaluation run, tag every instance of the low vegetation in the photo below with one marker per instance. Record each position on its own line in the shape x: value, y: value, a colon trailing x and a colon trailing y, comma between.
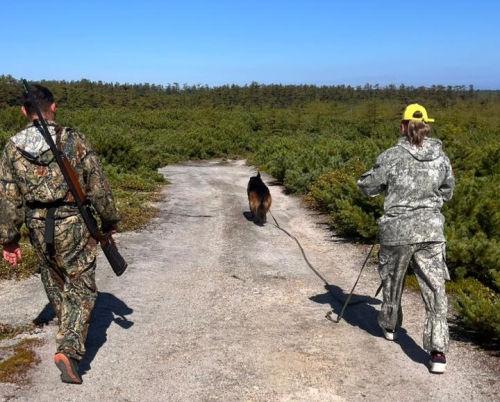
x: 316, y: 141
x: 22, y: 356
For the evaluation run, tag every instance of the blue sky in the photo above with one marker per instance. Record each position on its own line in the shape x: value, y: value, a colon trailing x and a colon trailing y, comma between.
x: 218, y: 42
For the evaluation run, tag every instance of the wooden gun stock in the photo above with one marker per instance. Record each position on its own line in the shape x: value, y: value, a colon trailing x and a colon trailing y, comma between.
x: 72, y: 176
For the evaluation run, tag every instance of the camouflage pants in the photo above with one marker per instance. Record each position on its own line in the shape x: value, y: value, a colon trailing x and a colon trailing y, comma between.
x: 68, y: 275
x: 431, y: 272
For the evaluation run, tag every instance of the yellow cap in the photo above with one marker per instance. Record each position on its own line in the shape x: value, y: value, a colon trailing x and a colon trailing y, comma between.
x: 411, y: 110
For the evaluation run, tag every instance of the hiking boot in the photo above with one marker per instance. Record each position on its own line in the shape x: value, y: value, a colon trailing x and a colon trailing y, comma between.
x: 437, y: 363
x: 68, y: 368
x: 390, y: 334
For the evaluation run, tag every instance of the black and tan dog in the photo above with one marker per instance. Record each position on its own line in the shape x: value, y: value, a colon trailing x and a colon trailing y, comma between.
x: 259, y: 199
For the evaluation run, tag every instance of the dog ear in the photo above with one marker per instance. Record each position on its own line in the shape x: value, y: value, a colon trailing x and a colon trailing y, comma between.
x: 258, y: 175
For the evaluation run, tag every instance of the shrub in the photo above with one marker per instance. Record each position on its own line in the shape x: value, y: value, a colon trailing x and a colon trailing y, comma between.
x: 351, y: 213
x: 479, y: 309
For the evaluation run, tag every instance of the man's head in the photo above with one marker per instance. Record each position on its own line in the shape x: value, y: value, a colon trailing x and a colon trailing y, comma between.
x: 44, y: 99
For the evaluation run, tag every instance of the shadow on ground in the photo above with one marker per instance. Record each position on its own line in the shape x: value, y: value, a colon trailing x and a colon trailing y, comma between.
x: 108, y: 309
x: 361, y: 313
x: 249, y: 217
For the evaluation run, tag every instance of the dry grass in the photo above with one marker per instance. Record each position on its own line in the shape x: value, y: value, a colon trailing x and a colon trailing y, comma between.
x: 15, y: 368
x: 8, y: 331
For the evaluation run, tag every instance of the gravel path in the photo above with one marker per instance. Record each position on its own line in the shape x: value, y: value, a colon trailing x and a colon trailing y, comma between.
x: 215, y: 308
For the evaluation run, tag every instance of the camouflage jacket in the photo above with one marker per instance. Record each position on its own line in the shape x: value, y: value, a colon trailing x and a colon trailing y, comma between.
x: 30, y: 175
x: 416, y: 182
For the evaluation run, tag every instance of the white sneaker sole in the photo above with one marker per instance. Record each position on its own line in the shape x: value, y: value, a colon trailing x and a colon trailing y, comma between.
x: 437, y: 368
x: 390, y: 336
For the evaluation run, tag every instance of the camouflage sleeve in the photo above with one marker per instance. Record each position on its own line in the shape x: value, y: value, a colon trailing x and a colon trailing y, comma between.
x: 447, y: 186
x: 97, y: 188
x: 373, y: 182
x: 11, y: 202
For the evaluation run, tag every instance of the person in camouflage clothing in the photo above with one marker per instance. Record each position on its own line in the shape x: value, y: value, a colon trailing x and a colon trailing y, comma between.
x: 33, y: 191
x: 416, y: 178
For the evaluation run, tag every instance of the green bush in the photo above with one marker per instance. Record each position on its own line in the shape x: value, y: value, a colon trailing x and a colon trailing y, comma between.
x: 479, y: 309
x: 351, y: 213
x: 473, y: 228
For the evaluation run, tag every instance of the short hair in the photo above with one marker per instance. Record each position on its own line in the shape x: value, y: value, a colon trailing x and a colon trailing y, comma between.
x: 43, y: 97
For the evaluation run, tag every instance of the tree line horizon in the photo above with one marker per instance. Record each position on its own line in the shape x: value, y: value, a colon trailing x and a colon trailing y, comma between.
x: 87, y: 93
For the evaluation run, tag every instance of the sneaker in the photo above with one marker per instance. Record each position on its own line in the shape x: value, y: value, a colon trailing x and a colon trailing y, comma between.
x: 390, y: 334
x: 68, y: 368
x: 437, y: 362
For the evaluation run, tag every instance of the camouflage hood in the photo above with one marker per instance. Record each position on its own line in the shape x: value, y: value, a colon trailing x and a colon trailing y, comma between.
x: 431, y: 149
x: 33, y: 146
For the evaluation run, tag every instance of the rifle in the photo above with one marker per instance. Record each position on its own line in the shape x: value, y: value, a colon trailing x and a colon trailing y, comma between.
x: 118, y: 264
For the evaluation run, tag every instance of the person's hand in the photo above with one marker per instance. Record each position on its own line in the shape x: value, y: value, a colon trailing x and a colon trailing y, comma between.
x: 12, y: 253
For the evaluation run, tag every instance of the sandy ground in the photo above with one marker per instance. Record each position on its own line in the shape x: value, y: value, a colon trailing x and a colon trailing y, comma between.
x: 216, y: 308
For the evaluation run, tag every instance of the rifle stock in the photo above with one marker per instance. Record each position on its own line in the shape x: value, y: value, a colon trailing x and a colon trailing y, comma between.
x: 72, y: 176
x: 108, y: 246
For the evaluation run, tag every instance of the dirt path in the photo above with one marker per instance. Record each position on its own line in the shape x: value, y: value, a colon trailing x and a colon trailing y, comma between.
x: 215, y: 308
